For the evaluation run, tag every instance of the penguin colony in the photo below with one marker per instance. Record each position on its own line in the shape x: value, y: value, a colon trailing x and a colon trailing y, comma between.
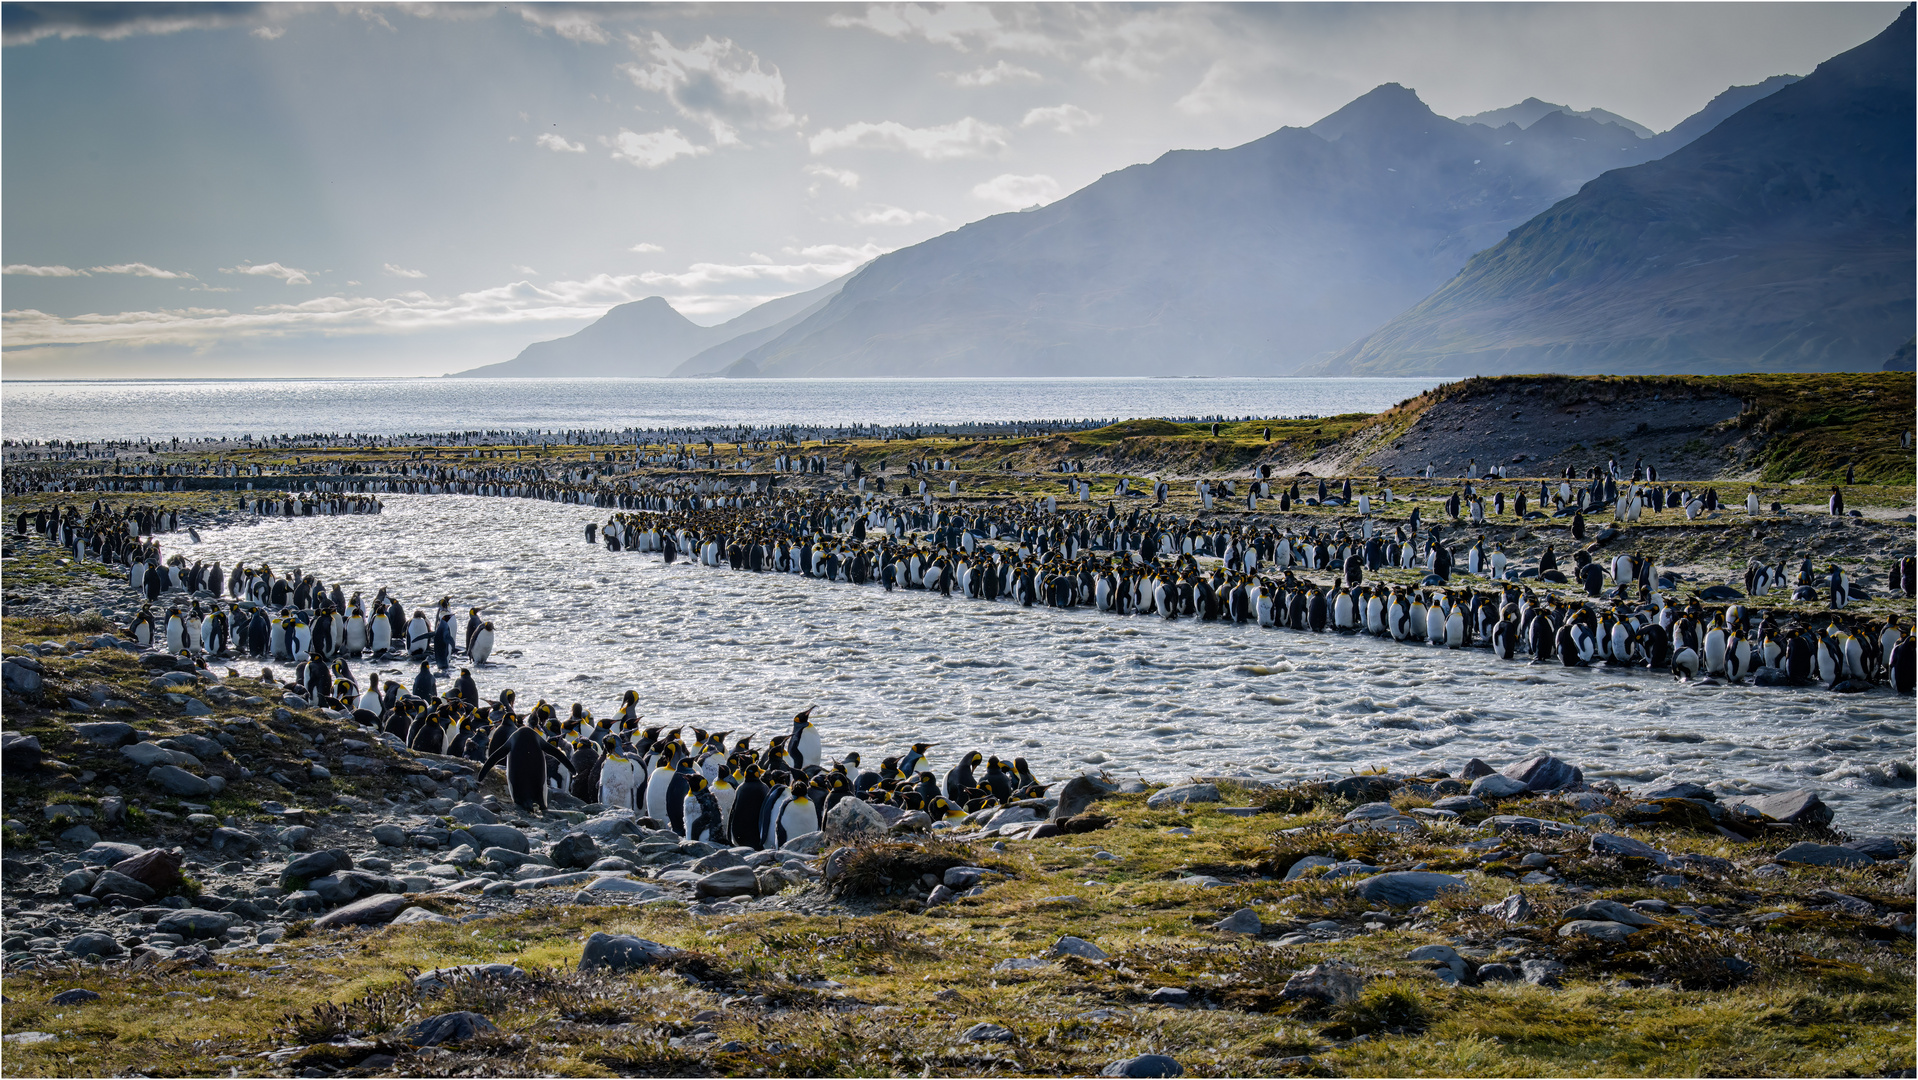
x: 1145, y: 565
x: 294, y: 617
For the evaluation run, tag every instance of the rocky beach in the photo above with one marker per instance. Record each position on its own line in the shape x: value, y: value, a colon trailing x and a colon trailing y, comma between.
x: 322, y: 900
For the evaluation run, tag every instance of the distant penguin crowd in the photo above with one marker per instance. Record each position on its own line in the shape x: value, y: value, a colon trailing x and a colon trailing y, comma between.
x: 1145, y: 564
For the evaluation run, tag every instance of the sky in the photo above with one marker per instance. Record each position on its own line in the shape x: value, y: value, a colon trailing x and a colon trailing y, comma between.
x: 305, y: 190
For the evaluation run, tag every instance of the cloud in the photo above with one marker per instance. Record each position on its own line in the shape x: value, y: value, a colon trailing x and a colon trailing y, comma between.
x: 517, y: 302
x: 401, y: 271
x: 131, y: 269
x: 881, y: 214
x: 962, y: 26
x: 568, y: 22
x: 139, y: 269
x: 1065, y: 119
x: 1017, y: 192
x: 1000, y: 72
x: 24, y: 23
x: 559, y: 145
x: 962, y: 138
x: 715, y: 83
x: 821, y: 263
x: 645, y: 249
x: 272, y: 269
x: 845, y: 178
x: 653, y: 149
x: 269, y: 33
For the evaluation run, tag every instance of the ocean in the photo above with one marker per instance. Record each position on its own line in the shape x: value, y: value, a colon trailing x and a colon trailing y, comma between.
x: 190, y: 409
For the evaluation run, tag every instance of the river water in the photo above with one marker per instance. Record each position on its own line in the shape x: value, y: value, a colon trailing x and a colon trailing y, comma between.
x: 737, y: 651
x: 164, y: 409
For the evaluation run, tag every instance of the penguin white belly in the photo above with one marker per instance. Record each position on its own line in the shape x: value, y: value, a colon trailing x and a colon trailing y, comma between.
x: 482, y: 647
x: 618, y: 781
x: 1455, y: 630
x: 1715, y: 652
x: 382, y: 635
x: 656, y: 787
x: 797, y: 818
x: 356, y: 635
x: 809, y: 747
x: 175, y: 635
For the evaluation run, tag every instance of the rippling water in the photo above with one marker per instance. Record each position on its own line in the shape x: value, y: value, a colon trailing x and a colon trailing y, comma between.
x: 732, y: 650
x: 215, y: 408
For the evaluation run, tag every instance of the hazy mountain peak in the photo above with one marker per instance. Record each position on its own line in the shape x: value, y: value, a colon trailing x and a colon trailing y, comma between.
x: 1388, y: 111
x: 1532, y: 110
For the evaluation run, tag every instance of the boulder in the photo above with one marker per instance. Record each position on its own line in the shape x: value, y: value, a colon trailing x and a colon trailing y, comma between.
x: 1603, y: 930
x: 76, y: 996
x: 1331, y: 983
x: 1460, y: 804
x: 805, y: 843
x: 1680, y: 791
x: 92, y: 945
x: 1403, y: 888
x: 499, y: 836
x: 1078, y: 794
x: 315, y: 865
x: 1610, y: 911
x: 178, y: 781
x: 1242, y: 921
x: 1306, y: 865
x: 226, y: 839
x: 853, y: 819
x: 107, y: 733
x: 1360, y: 789
x: 1625, y: 847
x: 1878, y: 847
x: 575, y: 849
x: 1514, y: 909
x: 622, y: 953
x: 447, y: 1027
x: 379, y: 908
x: 80, y: 836
x: 112, y: 883
x: 390, y: 835
x: 441, y: 978
x: 106, y: 853
x: 1183, y: 794
x: 1543, y: 772
x: 722, y: 860
x: 1474, y: 769
x: 1799, y: 807
x: 19, y: 754
x: 1806, y: 853
x: 147, y: 754
x: 19, y: 678
x: 1497, y: 786
x: 469, y: 813
x: 984, y: 1032
x: 1546, y: 973
x: 1145, y: 1065
x: 732, y: 881
x: 197, y: 923
x: 1075, y: 946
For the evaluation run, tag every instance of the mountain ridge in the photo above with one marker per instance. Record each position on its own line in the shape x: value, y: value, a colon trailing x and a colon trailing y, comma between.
x: 1781, y: 240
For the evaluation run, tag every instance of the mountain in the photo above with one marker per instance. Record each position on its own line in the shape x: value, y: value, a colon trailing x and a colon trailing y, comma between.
x: 716, y: 358
x: 648, y: 338
x: 1531, y: 110
x: 1207, y: 262
x: 1781, y: 240
x: 1715, y: 112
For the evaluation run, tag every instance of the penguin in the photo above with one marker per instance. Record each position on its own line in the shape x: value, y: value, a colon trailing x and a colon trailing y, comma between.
x: 700, y: 813
x: 803, y: 745
x: 525, y: 752
x: 481, y: 645
x: 659, y: 783
x: 619, y: 779
x: 586, y: 766
x: 797, y: 816
x: 465, y: 689
x: 912, y: 763
x: 959, y: 777
x: 423, y: 685
x: 742, y: 823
